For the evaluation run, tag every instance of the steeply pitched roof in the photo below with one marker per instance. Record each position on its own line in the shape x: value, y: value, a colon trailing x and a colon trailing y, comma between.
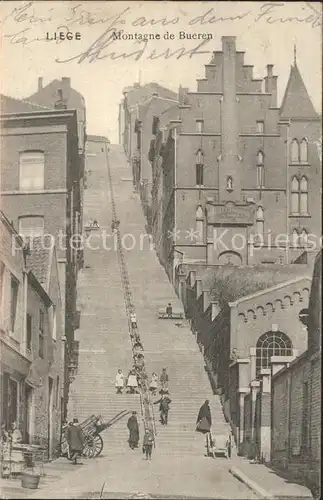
x: 229, y: 283
x: 48, y: 95
x: 139, y: 94
x: 296, y: 102
x: 38, y: 259
x: 10, y: 105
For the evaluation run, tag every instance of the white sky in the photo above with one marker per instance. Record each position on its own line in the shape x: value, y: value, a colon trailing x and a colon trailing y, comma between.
x: 267, y: 37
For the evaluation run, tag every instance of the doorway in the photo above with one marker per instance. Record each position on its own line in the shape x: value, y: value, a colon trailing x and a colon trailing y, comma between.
x: 28, y: 414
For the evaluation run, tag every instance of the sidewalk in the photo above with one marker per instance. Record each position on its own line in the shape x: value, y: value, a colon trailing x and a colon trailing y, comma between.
x: 54, y: 471
x: 266, y: 483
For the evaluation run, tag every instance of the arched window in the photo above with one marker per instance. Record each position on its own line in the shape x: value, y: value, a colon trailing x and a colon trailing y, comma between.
x: 303, y: 196
x: 199, y: 167
x: 260, y: 169
x: 304, y: 151
x: 31, y: 170
x: 294, y: 151
x: 271, y: 344
x: 260, y: 222
x: 260, y: 158
x: 229, y: 183
x: 199, y: 224
x: 295, y: 196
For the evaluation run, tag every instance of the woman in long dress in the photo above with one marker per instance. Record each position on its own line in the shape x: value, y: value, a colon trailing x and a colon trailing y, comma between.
x: 133, y: 431
x: 119, y: 381
x: 132, y: 383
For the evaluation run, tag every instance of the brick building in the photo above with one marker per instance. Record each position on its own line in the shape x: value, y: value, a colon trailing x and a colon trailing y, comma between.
x: 41, y: 187
x: 239, y: 170
x: 136, y: 113
x: 296, y: 411
x: 60, y: 94
x: 240, y: 321
x: 31, y: 354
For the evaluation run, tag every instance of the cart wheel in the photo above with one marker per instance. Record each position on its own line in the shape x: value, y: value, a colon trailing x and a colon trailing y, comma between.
x: 93, y: 446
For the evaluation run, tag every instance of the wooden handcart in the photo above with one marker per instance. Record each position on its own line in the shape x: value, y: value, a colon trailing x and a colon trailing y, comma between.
x: 91, y: 428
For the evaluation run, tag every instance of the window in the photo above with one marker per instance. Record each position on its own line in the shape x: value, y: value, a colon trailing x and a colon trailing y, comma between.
x: 304, y: 151
x: 295, y: 151
x: 303, y: 196
x: 199, y: 175
x: 52, y: 313
x: 13, y: 398
x: 260, y: 127
x: 271, y: 344
x: 31, y: 170
x: 260, y: 169
x: 260, y: 222
x: 199, y: 224
x: 29, y: 332
x: 199, y: 126
x: 229, y: 183
x: 41, y: 334
x: 199, y: 167
x: 31, y: 227
x: 13, y: 302
x: 295, y: 196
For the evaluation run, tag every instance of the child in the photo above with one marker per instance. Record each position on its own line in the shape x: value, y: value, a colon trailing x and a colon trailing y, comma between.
x: 148, y: 444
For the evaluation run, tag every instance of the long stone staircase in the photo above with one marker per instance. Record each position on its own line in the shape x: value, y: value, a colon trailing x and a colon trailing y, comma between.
x: 103, y: 334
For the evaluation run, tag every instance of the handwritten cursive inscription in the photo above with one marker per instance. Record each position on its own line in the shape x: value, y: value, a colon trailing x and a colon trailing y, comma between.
x: 24, y: 20
x: 101, y: 49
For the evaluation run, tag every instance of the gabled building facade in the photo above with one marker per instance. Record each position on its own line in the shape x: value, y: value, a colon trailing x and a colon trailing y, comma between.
x: 41, y: 191
x: 242, y: 172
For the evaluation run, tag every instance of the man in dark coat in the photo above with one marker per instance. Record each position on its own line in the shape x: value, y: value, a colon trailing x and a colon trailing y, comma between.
x: 205, y: 412
x: 75, y: 440
x: 133, y: 430
x: 164, y: 403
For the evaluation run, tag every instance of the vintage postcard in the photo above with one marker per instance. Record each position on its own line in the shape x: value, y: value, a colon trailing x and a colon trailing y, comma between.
x: 160, y: 249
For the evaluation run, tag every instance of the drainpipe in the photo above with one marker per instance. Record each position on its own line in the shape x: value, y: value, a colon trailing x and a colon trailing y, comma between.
x: 175, y: 193
x: 287, y: 193
x: 25, y: 306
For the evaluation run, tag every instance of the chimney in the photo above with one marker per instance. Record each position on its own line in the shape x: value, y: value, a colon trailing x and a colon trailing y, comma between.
x: 40, y: 83
x: 66, y: 82
x: 229, y: 167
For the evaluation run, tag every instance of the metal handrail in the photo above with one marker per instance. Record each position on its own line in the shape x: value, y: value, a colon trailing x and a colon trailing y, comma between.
x: 146, y: 409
